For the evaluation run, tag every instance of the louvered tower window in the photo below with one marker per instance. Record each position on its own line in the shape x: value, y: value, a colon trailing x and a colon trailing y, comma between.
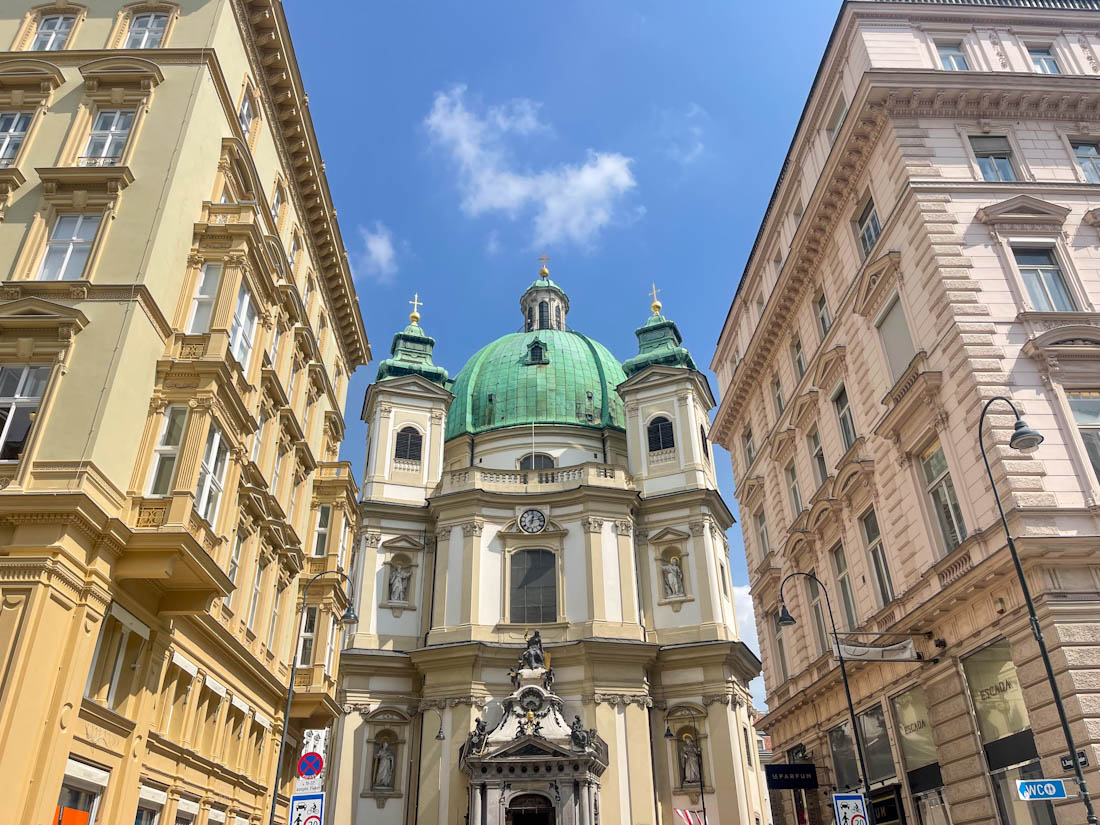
x: 660, y: 434
x: 409, y: 442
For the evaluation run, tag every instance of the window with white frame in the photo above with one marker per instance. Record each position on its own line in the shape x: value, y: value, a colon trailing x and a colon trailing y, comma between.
x: 533, y: 587
x: 817, y: 614
x: 254, y: 600
x: 121, y: 639
x: 307, y: 636
x: 146, y: 30
x: 780, y: 649
x: 13, y: 131
x: 868, y: 227
x: 762, y: 532
x: 1046, y: 285
x: 750, y: 447
x: 994, y: 156
x: 1043, y: 59
x: 206, y: 293
x: 1086, y: 413
x: 295, y: 248
x: 21, y: 391
x: 844, y: 417
x: 108, y: 137
x: 342, y: 554
x: 246, y: 114
x: 293, y: 503
x: 952, y: 57
x: 208, y: 491
x: 793, y: 489
x: 896, y: 341
x: 69, y: 246
x: 52, y: 33
x: 147, y: 816
x: 167, y: 450
x: 330, y: 648
x: 320, y: 542
x: 243, y: 331
x: 777, y: 394
x: 258, y: 438
x: 844, y: 586
x: 273, y: 623
x: 872, y: 538
x: 836, y: 119
x: 277, y: 204
x: 235, y: 563
x: 798, y: 358
x: 817, y: 456
x: 941, y: 494
x: 279, y: 453
x: 824, y: 319
x: 1086, y: 153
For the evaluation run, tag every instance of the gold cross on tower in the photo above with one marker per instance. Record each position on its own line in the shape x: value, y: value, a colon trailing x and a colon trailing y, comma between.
x: 544, y: 272
x: 414, y: 316
x: 656, y: 305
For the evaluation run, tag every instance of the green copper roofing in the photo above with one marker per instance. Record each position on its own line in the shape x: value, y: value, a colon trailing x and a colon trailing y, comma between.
x: 544, y: 283
x: 659, y: 343
x: 411, y: 353
x: 505, y: 384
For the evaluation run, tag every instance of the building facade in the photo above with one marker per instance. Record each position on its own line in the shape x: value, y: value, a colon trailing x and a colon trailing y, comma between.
x: 546, y: 490
x: 177, y: 328
x: 932, y: 242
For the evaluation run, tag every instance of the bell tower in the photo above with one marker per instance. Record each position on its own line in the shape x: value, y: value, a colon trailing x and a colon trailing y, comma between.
x: 544, y: 304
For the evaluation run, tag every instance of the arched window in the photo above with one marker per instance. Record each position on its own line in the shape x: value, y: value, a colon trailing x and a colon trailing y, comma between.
x: 534, y: 587
x: 409, y: 442
x: 557, y: 317
x: 544, y: 315
x: 660, y: 434
x: 703, y: 439
x: 536, y: 461
x: 530, y: 318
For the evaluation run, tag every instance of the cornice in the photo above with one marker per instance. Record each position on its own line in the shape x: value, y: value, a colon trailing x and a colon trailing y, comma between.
x: 65, y: 291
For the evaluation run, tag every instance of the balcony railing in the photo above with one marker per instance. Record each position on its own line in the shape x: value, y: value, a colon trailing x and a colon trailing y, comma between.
x: 104, y: 160
x: 522, y: 481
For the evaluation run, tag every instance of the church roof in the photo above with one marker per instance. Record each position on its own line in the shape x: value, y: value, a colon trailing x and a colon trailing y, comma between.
x: 411, y: 354
x: 659, y: 342
x: 546, y: 376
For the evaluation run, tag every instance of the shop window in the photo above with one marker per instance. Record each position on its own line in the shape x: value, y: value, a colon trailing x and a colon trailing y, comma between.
x: 918, y: 752
x: 845, y: 766
x: 876, y: 744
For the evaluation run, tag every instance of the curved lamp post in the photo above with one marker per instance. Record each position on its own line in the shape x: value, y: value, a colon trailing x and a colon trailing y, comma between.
x: 786, y: 620
x: 440, y: 736
x: 698, y: 755
x: 349, y: 618
x: 1026, y: 440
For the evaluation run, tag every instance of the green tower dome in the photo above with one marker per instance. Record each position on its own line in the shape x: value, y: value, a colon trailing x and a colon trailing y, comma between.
x: 544, y: 376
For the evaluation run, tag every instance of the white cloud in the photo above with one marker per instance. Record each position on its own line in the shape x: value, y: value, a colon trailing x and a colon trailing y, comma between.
x: 378, y: 257
x: 746, y: 626
x: 569, y: 202
x: 492, y: 244
x: 681, y: 132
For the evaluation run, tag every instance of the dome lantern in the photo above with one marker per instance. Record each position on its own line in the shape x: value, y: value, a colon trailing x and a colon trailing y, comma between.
x: 544, y: 304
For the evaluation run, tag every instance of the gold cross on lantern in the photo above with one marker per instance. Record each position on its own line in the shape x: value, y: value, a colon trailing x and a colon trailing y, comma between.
x: 414, y: 316
x: 544, y: 272
x: 656, y: 305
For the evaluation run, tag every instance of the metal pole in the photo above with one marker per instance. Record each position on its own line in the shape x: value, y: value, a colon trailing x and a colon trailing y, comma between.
x: 847, y: 689
x: 290, y: 690
x: 1083, y: 791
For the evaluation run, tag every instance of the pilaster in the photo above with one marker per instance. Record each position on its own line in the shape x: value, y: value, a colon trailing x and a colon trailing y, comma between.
x: 593, y: 553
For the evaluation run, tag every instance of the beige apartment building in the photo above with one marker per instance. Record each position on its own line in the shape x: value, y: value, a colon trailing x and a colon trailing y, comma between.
x: 177, y: 328
x: 932, y: 242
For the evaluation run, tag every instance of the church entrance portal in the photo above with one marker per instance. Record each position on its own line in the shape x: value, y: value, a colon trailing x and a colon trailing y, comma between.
x: 530, y: 809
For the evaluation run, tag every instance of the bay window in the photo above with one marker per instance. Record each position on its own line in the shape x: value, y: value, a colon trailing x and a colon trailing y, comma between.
x: 167, y: 450
x: 206, y: 293
x: 243, y: 331
x: 208, y: 491
x: 254, y: 601
x: 21, y: 391
x: 307, y: 636
x: 324, y: 516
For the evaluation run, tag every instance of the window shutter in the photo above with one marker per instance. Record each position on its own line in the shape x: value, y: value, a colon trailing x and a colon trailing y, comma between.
x: 896, y: 339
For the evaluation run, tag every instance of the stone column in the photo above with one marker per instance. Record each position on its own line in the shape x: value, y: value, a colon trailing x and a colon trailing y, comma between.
x: 628, y: 585
x: 471, y: 571
x: 586, y: 805
x: 475, y: 804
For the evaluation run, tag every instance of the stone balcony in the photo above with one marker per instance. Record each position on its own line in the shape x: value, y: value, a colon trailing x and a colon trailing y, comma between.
x: 590, y: 474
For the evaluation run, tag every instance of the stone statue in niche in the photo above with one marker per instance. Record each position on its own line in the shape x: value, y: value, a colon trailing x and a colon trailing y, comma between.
x: 689, y: 761
x: 383, y: 766
x: 399, y: 583
x: 673, y: 578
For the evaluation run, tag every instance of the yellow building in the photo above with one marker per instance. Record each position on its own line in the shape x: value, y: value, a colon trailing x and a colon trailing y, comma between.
x: 177, y: 328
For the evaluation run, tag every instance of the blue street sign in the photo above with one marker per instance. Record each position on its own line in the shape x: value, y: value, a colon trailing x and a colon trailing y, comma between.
x: 1033, y: 790
x: 851, y: 808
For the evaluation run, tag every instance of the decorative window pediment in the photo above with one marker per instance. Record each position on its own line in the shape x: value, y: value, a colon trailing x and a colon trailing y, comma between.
x: 26, y: 82
x: 880, y: 278
x: 750, y: 487
x: 829, y: 365
x: 1023, y: 213
x: 83, y: 187
x: 1068, y: 352
x: 782, y: 442
x: 37, y: 330
x: 118, y: 81
x: 804, y: 408
x: 1092, y: 217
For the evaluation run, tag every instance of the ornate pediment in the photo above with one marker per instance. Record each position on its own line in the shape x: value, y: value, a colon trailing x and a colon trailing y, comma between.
x: 530, y: 747
x: 402, y: 544
x: 880, y: 278
x: 34, y: 328
x: 28, y: 81
x: 829, y: 366
x: 1023, y: 213
x: 669, y: 534
x: 1069, y: 350
x: 804, y: 407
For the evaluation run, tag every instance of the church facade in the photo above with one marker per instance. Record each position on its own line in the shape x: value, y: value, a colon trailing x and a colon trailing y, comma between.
x: 546, y: 622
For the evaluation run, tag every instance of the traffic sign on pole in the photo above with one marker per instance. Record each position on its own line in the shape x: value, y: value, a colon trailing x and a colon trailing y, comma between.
x: 1035, y: 790
x: 307, y: 809
x: 311, y: 764
x: 851, y: 808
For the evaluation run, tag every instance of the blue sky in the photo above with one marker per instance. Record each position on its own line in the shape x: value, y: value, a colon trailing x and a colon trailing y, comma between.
x: 633, y: 142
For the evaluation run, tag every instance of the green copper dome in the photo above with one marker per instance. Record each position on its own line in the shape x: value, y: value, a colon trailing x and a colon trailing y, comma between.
x: 546, y: 376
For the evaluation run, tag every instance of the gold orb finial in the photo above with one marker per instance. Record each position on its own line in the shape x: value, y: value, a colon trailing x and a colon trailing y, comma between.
x: 656, y: 305
x: 414, y: 316
x: 544, y: 272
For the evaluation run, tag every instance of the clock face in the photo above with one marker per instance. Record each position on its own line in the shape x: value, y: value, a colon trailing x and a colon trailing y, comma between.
x: 532, y: 521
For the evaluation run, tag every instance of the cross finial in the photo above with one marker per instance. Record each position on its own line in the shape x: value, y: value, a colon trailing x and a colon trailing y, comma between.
x: 544, y: 272
x: 414, y: 316
x: 656, y: 305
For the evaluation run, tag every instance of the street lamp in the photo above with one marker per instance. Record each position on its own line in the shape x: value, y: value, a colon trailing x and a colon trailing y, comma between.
x: 1026, y: 440
x: 786, y: 620
x: 698, y: 754
x: 349, y: 618
x: 439, y: 737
